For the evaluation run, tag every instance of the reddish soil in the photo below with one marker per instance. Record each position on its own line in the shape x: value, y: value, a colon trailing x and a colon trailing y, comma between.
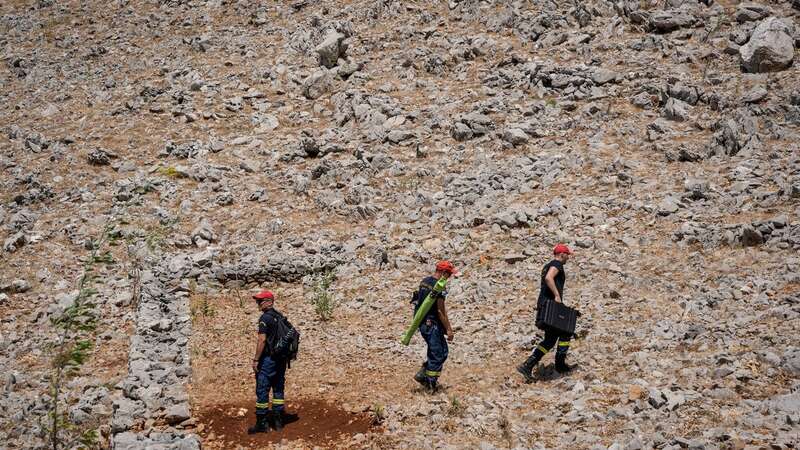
x: 314, y: 422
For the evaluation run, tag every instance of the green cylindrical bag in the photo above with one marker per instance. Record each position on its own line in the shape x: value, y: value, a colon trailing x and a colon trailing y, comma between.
x: 423, y: 309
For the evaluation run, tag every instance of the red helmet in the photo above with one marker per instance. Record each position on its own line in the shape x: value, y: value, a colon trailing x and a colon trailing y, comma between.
x: 446, y: 267
x: 264, y: 295
x: 561, y: 248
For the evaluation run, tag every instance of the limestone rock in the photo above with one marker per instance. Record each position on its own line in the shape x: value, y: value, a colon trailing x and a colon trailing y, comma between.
x: 331, y: 49
x: 177, y: 413
x: 317, y: 84
x: 770, y: 49
x: 751, y: 11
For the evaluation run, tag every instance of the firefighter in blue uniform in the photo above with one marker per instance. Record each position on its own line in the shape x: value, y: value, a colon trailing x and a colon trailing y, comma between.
x: 433, y: 328
x: 270, y: 374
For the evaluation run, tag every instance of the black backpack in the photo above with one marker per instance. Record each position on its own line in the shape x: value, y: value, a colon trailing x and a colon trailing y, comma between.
x: 417, y: 298
x: 283, y: 340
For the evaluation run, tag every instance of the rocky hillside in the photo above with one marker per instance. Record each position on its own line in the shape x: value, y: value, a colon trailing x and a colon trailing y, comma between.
x: 160, y: 160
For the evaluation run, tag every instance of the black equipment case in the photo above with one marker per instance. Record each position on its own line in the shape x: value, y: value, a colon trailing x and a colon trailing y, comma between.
x: 558, y: 316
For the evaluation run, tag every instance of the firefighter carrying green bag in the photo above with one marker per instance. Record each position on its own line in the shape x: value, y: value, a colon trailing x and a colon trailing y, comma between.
x: 430, y: 315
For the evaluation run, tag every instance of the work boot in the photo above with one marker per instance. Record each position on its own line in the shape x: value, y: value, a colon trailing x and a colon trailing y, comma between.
x: 419, y: 377
x: 525, y: 371
x: 276, y: 420
x: 261, y: 425
x: 563, y: 367
x: 431, y: 385
x: 561, y: 364
x: 526, y: 368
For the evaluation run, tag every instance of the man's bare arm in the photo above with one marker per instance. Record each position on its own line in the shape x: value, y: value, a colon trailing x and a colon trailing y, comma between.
x: 550, y: 280
x: 261, y: 342
x: 442, y: 312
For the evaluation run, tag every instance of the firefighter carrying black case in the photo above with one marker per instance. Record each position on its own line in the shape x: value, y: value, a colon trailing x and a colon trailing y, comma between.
x: 557, y: 316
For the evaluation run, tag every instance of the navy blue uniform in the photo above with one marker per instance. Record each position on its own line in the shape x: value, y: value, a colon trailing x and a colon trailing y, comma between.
x: 271, y: 373
x: 432, y: 330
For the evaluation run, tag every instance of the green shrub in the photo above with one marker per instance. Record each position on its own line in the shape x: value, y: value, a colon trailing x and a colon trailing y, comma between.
x: 323, y: 300
x: 456, y: 408
x: 71, y: 349
x: 378, y: 413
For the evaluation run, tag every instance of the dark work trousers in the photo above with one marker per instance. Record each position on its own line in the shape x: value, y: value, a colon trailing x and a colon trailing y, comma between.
x: 271, y: 375
x: 551, y: 337
x: 433, y: 333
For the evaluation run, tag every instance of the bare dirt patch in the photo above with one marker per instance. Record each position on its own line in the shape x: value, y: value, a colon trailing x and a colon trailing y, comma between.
x: 313, y: 421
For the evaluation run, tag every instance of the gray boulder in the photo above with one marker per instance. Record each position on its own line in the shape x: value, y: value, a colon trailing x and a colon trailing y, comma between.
x: 14, y: 242
x: 634, y: 444
x: 670, y: 20
x: 656, y: 398
x: 461, y: 132
x: 397, y: 136
x: 669, y: 205
x: 674, y: 399
x: 478, y: 124
x: 750, y: 11
x: 177, y: 414
x: 15, y: 287
x: 788, y: 403
x: 331, y: 49
x: 190, y: 442
x: 203, y: 233
x: 770, y: 48
x: 515, y: 136
x: 751, y: 237
x: 317, y: 84
x: 642, y: 100
x: 755, y: 95
x: 676, y: 110
x: 684, y: 92
x: 791, y: 361
x: 127, y: 441
x: 603, y: 76
x: 125, y: 413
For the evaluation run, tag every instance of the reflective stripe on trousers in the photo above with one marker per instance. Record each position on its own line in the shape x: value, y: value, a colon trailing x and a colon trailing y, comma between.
x: 433, y: 334
x: 271, y: 376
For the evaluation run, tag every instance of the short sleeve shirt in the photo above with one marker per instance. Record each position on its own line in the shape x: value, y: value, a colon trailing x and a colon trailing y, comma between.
x: 544, y: 291
x: 264, y: 322
x: 425, y: 287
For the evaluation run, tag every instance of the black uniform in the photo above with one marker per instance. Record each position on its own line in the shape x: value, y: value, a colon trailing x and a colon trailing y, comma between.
x: 545, y: 293
x: 551, y: 335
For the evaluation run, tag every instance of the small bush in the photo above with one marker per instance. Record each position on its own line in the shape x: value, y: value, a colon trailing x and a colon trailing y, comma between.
x: 70, y: 350
x: 155, y: 236
x: 322, y: 299
x: 505, y: 430
x: 206, y: 309
x: 203, y: 308
x: 378, y: 413
x: 170, y: 172
x: 456, y: 408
